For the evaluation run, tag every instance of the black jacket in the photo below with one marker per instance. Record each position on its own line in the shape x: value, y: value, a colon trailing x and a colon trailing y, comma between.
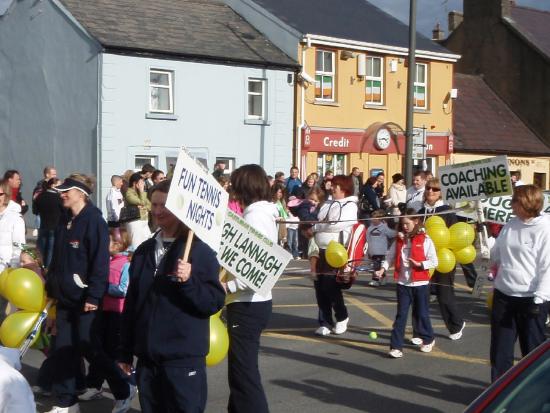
x: 50, y: 208
x: 82, y: 249
x: 166, y: 321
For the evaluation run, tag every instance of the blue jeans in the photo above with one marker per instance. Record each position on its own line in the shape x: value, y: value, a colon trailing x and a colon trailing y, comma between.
x: 46, y: 238
x: 292, y: 240
x: 418, y: 297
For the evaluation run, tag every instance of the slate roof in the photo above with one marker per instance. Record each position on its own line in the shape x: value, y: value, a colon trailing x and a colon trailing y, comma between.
x: 534, y: 25
x: 202, y: 29
x: 484, y: 123
x: 346, y: 19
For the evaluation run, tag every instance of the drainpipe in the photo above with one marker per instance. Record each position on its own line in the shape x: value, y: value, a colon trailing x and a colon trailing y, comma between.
x: 302, y: 111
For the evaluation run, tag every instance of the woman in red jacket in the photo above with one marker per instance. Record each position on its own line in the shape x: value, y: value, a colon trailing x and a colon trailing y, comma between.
x: 414, y: 254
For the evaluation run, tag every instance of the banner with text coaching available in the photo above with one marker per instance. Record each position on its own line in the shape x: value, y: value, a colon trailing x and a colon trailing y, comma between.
x: 198, y: 200
x: 250, y: 256
x: 475, y: 180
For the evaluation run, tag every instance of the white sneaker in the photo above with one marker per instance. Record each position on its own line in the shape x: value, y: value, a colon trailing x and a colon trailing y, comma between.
x: 91, y: 394
x: 40, y: 392
x: 341, y: 326
x: 374, y: 283
x: 458, y: 334
x: 322, y: 331
x: 417, y: 341
x: 75, y: 408
x: 35, y: 232
x: 426, y: 348
x: 396, y: 354
x: 122, y: 406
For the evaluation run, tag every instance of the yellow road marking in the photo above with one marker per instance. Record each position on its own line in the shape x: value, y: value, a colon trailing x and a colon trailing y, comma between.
x: 374, y: 346
x: 367, y: 309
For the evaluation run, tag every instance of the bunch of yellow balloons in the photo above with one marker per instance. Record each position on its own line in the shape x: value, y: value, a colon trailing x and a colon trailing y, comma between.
x: 453, y: 244
x: 24, y: 289
x: 219, y: 340
x: 336, y: 254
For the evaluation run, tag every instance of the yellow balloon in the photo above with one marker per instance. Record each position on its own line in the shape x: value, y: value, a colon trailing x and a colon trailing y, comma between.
x: 466, y: 255
x: 489, y: 300
x: 440, y: 235
x: 434, y: 220
x: 219, y: 342
x: 431, y: 271
x: 462, y: 234
x: 336, y: 254
x: 446, y: 259
x: 3, y: 278
x: 16, y: 327
x: 25, y: 290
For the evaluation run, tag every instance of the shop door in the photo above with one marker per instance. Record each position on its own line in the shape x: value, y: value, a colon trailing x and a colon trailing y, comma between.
x: 336, y: 162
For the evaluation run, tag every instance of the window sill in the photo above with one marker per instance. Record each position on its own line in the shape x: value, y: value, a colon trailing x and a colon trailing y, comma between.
x: 261, y: 122
x: 161, y: 116
x: 375, y: 107
x: 325, y: 103
x: 426, y: 111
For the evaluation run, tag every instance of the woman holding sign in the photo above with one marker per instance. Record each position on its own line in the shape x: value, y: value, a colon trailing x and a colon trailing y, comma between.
x: 522, y: 287
x: 248, y: 312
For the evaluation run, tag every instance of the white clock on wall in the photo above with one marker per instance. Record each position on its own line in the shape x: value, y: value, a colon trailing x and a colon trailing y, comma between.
x: 382, y: 139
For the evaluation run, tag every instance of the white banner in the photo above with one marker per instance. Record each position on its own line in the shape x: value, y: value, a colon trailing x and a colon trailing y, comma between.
x: 250, y: 256
x: 198, y: 200
x: 485, y: 178
x: 499, y: 209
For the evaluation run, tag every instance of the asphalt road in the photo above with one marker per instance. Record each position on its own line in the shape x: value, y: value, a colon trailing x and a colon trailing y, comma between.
x: 351, y: 372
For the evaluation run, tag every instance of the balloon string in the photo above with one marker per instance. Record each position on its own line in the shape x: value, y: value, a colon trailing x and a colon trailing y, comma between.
x: 449, y: 211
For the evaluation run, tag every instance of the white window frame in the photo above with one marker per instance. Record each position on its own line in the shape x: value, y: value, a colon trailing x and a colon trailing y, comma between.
x: 421, y: 83
x: 170, y: 88
x: 322, y: 73
x: 263, y: 82
x: 370, y: 64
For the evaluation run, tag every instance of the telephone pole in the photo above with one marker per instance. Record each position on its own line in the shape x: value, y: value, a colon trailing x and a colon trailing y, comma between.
x: 411, y: 77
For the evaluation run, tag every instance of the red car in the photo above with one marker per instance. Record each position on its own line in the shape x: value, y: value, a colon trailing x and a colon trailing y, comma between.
x: 525, y: 388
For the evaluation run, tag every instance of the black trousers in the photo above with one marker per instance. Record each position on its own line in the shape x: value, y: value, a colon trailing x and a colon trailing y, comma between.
x: 329, y: 297
x: 171, y: 387
x: 470, y: 274
x: 445, y: 292
x: 514, y: 317
x: 245, y: 322
x: 77, y: 336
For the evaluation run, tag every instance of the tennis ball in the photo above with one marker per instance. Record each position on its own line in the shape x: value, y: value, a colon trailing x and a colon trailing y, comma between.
x: 373, y: 335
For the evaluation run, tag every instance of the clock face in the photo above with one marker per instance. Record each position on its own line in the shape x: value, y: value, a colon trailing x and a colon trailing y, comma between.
x: 383, y: 138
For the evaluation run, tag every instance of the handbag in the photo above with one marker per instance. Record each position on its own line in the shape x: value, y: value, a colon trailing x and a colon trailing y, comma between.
x: 129, y: 213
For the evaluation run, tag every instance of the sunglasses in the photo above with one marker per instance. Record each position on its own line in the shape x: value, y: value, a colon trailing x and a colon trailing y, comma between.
x: 2, y: 193
x: 431, y: 188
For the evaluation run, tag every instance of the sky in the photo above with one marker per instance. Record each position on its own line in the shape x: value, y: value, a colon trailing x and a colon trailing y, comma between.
x: 429, y: 12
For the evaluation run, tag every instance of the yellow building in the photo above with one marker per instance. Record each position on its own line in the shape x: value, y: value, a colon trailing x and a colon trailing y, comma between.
x: 352, y: 93
x: 352, y: 90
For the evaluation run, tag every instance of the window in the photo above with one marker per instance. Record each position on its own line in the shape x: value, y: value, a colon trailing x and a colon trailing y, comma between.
x: 161, y: 91
x: 324, y: 75
x: 421, y: 86
x: 374, y: 81
x: 229, y: 164
x: 141, y: 160
x: 336, y: 162
x: 256, y: 99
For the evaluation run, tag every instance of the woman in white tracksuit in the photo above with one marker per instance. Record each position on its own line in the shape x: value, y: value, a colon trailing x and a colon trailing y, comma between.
x: 522, y: 286
x: 248, y: 312
x: 328, y: 292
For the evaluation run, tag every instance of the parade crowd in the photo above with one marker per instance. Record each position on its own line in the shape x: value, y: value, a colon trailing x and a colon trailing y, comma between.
x: 128, y: 304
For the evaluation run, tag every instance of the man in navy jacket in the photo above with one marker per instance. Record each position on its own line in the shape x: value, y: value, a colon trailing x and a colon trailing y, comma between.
x: 166, y: 315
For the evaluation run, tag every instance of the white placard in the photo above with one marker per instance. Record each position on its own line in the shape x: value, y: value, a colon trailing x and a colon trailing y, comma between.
x: 250, y: 256
x: 485, y: 178
x: 198, y: 200
x: 499, y: 209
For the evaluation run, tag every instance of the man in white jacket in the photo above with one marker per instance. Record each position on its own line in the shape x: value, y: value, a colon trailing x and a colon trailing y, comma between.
x: 15, y: 393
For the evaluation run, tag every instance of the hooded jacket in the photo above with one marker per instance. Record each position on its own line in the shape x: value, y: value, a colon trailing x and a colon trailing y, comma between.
x: 79, y: 269
x: 15, y: 392
x: 398, y: 194
x: 345, y: 212
x: 12, y: 229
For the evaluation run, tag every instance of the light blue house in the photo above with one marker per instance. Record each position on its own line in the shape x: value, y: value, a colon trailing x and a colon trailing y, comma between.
x: 102, y: 86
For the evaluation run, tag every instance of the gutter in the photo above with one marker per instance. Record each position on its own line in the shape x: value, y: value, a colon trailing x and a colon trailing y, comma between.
x: 379, y: 48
